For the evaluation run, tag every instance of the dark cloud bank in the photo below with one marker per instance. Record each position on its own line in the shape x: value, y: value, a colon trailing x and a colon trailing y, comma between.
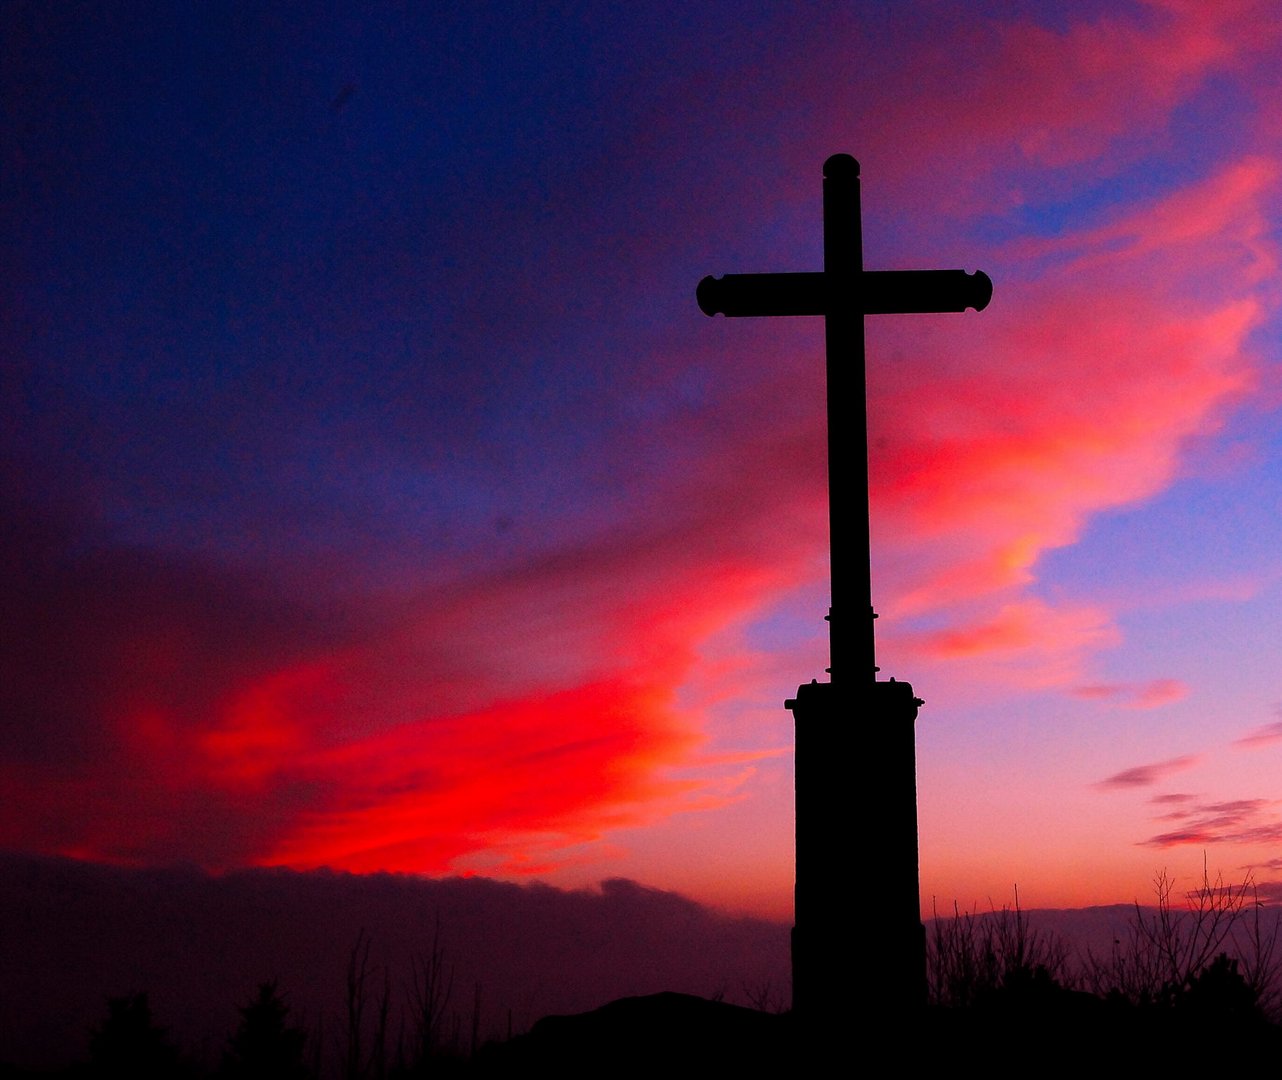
x: 73, y: 933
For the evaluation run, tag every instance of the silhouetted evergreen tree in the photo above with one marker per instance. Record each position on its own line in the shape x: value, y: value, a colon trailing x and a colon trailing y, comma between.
x: 265, y: 1045
x: 130, y: 1044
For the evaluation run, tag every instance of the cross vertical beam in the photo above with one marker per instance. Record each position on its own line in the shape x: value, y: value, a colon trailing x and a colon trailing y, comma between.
x: 850, y: 642
x: 895, y: 953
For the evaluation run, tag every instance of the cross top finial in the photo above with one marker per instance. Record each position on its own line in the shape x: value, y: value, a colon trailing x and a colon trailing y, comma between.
x: 841, y: 166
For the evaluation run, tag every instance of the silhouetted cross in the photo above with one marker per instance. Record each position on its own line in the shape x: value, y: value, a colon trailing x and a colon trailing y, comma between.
x: 843, y: 294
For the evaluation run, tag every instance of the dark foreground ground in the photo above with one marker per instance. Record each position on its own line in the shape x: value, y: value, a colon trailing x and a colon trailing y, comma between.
x: 667, y: 1035
x: 672, y: 1035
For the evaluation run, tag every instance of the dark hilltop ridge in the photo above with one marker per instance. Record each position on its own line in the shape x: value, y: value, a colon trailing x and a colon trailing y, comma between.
x: 657, y: 1035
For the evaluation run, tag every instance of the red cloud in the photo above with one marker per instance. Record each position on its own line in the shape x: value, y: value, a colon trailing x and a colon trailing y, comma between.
x: 515, y: 713
x: 564, y: 766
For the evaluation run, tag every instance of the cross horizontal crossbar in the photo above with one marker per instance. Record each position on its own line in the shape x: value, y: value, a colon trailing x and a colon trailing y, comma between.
x: 876, y: 292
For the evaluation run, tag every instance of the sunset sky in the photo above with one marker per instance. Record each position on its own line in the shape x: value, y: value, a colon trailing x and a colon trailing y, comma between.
x: 375, y: 495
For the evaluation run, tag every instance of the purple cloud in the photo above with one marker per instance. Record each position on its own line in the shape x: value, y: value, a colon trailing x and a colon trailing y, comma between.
x: 1261, y: 736
x: 1240, y: 821
x: 1144, y: 775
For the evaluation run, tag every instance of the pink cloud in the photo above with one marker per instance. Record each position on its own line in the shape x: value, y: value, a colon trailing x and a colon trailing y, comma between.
x: 1147, y: 695
x: 996, y: 438
x: 1007, y: 461
x: 1028, y: 642
x: 1099, y: 691
x: 1229, y: 206
x: 1160, y: 692
x: 1034, y: 102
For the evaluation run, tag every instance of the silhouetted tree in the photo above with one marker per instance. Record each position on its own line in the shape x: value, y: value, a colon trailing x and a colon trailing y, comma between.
x: 763, y: 997
x: 356, y: 1064
x: 130, y: 1044
x: 265, y: 1045
x: 431, y: 984
x: 1211, y: 949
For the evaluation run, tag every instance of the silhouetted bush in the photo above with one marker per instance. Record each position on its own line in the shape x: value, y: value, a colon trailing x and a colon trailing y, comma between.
x: 975, y: 959
x: 1221, y: 989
